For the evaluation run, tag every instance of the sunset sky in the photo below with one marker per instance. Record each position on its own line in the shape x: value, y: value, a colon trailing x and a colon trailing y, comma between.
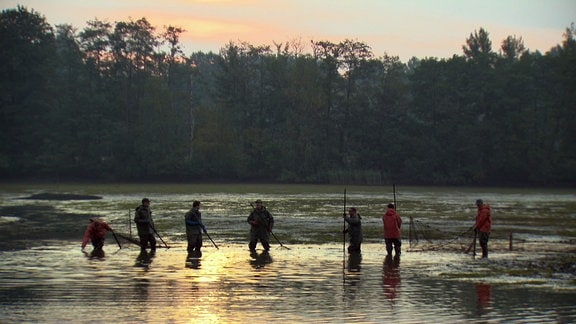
x: 404, y: 28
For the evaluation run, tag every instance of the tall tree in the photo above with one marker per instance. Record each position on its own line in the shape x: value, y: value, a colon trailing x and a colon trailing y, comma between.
x: 482, y: 97
x: 512, y: 48
x: 95, y: 43
x: 171, y: 35
x: 479, y: 46
x: 27, y: 54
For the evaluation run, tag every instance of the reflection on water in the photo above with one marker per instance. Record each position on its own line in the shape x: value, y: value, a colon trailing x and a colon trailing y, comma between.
x: 304, y: 284
x: 192, y: 263
x: 314, y: 280
x: 484, y: 297
x: 259, y: 260
x: 354, y: 260
x: 144, y: 259
x: 391, y: 277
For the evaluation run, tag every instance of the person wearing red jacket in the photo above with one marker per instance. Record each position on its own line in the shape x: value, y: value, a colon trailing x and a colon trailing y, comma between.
x: 392, y: 223
x: 96, y: 233
x: 483, y: 225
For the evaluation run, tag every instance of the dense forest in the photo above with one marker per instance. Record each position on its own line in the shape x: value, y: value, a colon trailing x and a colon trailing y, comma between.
x: 121, y: 102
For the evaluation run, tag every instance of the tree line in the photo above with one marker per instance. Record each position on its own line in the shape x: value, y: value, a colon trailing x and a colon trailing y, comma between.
x: 122, y: 102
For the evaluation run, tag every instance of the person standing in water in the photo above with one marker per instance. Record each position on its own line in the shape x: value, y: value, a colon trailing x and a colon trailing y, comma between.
x: 392, y: 223
x: 261, y: 224
x: 145, y: 226
x: 96, y: 233
x: 483, y: 225
x: 194, y: 229
x: 354, y: 230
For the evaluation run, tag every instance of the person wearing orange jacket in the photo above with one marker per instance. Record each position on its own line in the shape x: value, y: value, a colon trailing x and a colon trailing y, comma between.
x: 96, y: 233
x: 392, y: 223
x: 483, y: 225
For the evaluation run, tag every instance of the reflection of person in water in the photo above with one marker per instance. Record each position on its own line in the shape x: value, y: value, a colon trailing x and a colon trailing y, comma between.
x: 141, y: 290
x: 352, y: 289
x: 391, y: 277
x: 354, y: 260
x: 192, y: 263
x: 484, y: 297
x: 259, y: 260
x: 144, y: 259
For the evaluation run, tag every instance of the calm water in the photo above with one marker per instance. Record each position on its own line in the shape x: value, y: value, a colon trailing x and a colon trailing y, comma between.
x: 312, y: 281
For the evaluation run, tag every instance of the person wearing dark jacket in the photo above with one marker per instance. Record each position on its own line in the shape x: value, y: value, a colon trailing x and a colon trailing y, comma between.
x: 483, y: 225
x: 145, y: 226
x: 261, y: 224
x: 194, y: 229
x: 354, y: 230
x: 392, y: 223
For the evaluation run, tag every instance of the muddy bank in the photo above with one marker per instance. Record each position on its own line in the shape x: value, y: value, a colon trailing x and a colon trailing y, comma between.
x: 23, y: 227
x: 30, y: 225
x: 528, y: 259
x: 61, y: 196
x: 538, y: 266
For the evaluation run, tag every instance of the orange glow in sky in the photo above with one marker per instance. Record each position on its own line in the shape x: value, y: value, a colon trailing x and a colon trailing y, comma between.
x: 410, y: 28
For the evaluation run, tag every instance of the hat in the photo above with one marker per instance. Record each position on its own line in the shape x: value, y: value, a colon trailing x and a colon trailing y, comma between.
x: 391, y: 206
x: 145, y: 200
x: 258, y: 201
x: 479, y: 202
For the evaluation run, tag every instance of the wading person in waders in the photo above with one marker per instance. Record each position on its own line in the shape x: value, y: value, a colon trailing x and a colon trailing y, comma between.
x: 354, y: 230
x: 483, y: 225
x: 145, y: 226
x: 392, y: 223
x: 261, y: 224
x: 194, y: 229
x: 96, y: 233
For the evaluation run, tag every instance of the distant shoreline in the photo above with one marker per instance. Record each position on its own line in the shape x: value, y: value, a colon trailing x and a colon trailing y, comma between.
x: 60, y: 196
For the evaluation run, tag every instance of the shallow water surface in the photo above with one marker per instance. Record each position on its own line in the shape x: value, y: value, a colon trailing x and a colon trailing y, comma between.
x: 312, y: 280
x: 304, y: 284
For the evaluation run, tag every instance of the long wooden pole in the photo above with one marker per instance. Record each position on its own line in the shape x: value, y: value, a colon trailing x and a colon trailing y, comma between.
x: 475, y: 237
x: 160, y: 237
x: 129, y: 223
x: 474, y: 244
x: 344, y: 234
x: 394, y: 190
x: 216, y: 246
x: 115, y: 238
